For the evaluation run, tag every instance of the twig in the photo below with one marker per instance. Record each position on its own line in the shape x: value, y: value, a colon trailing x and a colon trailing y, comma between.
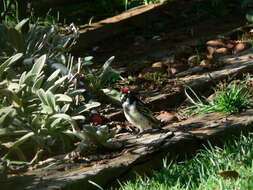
x: 212, y: 79
x: 36, y: 157
x: 78, y: 78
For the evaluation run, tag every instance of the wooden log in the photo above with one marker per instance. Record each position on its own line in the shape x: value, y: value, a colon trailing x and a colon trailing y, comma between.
x: 233, y: 65
x: 134, y: 18
x: 141, y: 154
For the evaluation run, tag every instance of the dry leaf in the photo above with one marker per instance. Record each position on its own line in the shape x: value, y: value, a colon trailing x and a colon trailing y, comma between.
x: 229, y: 174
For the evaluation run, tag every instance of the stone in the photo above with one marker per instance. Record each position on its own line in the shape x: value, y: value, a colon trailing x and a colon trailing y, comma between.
x: 220, y: 52
x: 215, y: 43
x: 157, y: 67
x: 240, y: 47
x: 177, y: 68
x: 167, y: 117
x: 215, y: 49
x: 158, y: 64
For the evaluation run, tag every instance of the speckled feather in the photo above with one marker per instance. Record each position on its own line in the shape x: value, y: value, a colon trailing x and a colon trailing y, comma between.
x: 137, y: 113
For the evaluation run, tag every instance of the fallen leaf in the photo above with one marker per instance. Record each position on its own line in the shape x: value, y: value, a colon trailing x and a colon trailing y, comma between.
x: 215, y: 43
x: 229, y: 174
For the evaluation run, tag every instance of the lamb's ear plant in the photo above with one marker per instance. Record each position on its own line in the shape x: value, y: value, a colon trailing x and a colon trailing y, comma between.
x: 56, y: 45
x: 98, y: 83
x: 44, y: 111
x: 32, y: 104
x: 100, y: 79
x: 37, y: 41
x: 43, y: 101
x: 232, y: 98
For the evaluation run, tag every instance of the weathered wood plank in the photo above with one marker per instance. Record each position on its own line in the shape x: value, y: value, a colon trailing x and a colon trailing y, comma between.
x: 137, y: 17
x: 143, y: 154
x: 233, y: 65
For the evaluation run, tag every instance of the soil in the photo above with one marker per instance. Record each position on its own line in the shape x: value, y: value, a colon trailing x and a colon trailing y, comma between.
x: 170, y: 41
x: 160, y: 38
x: 136, y: 47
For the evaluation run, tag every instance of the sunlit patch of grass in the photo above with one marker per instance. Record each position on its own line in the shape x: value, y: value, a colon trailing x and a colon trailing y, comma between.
x: 156, y: 76
x: 232, y: 98
x: 203, y: 171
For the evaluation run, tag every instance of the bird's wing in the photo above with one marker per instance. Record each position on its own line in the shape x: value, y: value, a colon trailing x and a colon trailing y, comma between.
x: 146, y: 111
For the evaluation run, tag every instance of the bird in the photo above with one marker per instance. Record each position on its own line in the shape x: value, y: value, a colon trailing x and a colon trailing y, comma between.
x: 136, y: 112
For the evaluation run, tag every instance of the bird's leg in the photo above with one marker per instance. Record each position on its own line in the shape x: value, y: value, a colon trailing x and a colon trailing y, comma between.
x: 151, y: 131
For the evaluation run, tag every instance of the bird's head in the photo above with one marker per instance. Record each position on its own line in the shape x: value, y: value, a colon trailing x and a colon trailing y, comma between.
x: 125, y: 92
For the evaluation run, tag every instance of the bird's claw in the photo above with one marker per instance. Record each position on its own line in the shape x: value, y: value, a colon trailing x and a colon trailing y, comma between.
x: 143, y: 132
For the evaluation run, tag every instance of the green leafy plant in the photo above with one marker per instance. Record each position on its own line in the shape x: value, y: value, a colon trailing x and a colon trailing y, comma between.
x: 231, y: 98
x: 9, y: 11
x: 146, y: 2
x: 249, y: 16
x: 99, y: 136
x: 156, y: 76
x: 102, y: 78
x: 44, y: 97
x: 39, y: 40
x: 35, y: 105
x: 48, y: 40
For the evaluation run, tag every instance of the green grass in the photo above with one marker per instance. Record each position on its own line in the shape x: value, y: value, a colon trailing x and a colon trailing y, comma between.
x: 202, y: 172
x: 231, y: 98
x: 156, y: 76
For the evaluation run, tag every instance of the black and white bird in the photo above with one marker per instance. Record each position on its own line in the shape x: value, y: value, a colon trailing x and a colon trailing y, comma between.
x: 137, y: 113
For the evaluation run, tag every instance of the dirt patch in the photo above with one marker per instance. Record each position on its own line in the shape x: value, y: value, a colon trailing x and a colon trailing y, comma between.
x: 152, y: 33
x: 159, y: 34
